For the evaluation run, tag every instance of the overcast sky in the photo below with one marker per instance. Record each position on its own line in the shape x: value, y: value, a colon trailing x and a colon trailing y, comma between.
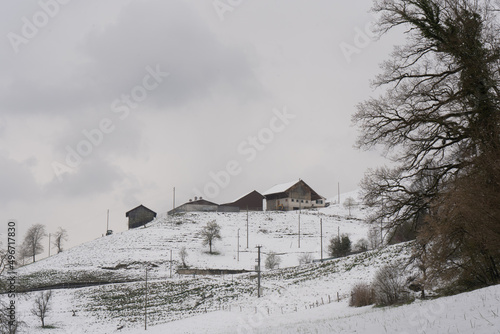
x: 111, y: 104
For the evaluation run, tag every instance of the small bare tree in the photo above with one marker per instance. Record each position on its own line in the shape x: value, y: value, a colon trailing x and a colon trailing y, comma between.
x: 272, y: 260
x: 183, y: 254
x: 349, y: 203
x: 209, y: 233
x: 59, y: 237
x: 41, y: 305
x: 374, y: 238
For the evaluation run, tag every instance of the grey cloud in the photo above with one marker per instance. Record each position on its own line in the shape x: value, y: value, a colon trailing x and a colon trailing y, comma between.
x: 92, y: 177
x: 16, y: 181
x: 171, y: 35
x: 110, y: 62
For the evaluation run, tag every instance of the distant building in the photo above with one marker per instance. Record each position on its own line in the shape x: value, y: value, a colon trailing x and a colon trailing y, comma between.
x: 293, y: 196
x: 139, y: 216
x: 198, y: 205
x: 252, y: 201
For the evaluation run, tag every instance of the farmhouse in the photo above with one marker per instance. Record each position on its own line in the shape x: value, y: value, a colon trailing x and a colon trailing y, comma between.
x: 198, y: 205
x: 294, y: 195
x: 139, y: 216
x: 252, y: 201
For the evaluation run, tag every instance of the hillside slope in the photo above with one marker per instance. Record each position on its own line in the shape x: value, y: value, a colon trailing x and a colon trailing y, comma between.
x: 124, y: 256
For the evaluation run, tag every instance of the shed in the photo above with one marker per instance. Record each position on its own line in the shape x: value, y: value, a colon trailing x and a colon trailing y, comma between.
x: 139, y: 216
x: 253, y: 201
x: 198, y: 205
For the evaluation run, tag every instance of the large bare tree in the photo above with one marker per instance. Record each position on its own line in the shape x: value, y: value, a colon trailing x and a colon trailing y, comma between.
x: 439, y: 119
x: 33, y: 240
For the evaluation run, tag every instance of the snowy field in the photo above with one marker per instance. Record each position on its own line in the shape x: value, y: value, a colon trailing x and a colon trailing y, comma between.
x: 310, y: 298
x: 275, y: 231
x: 474, y: 312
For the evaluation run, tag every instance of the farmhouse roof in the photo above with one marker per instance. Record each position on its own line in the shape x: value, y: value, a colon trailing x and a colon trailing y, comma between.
x: 253, y: 191
x: 280, y: 188
x: 202, y: 201
x: 284, y: 187
x: 136, y: 208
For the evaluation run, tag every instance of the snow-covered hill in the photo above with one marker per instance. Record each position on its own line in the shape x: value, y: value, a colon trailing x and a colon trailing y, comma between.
x: 295, y: 299
x: 132, y: 250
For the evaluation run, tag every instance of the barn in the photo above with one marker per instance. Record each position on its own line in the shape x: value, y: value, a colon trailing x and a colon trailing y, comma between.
x: 139, y: 216
x: 253, y: 201
x: 294, y: 195
x: 196, y: 205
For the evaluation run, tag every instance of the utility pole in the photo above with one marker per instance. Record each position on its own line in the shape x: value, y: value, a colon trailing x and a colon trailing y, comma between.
x: 174, y: 200
x: 170, y: 263
x: 321, y: 234
x: 338, y: 191
x: 299, y: 222
x: 146, y: 303
x: 107, y: 222
x: 49, y: 244
x: 258, y: 271
x: 247, y: 226
x: 238, y: 251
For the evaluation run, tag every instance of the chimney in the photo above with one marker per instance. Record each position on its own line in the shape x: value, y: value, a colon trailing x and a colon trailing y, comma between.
x: 195, y: 198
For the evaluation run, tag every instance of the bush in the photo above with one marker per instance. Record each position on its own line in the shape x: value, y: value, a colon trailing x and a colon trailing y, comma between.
x: 389, y: 287
x: 361, y: 246
x: 339, y: 246
x: 272, y: 260
x: 361, y: 295
x: 305, y: 258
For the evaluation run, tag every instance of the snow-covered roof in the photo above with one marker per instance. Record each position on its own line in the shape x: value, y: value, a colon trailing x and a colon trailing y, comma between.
x: 236, y: 200
x: 280, y: 188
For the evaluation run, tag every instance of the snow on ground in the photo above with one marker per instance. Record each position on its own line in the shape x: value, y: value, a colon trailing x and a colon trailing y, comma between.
x: 295, y: 299
x: 473, y: 312
x: 275, y: 231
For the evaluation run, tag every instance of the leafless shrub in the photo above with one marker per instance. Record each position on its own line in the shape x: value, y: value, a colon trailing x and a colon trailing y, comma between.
x: 389, y: 286
x: 361, y: 246
x: 272, y: 260
x: 305, y: 258
x: 361, y: 295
